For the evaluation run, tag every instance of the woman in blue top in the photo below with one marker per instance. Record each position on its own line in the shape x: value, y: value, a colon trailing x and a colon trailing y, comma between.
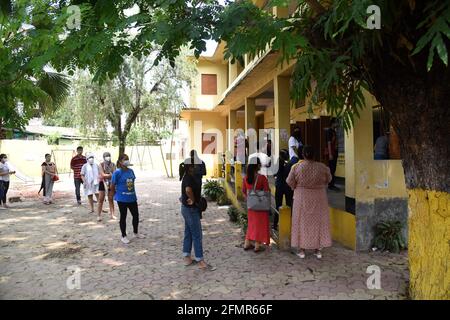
x: 122, y: 186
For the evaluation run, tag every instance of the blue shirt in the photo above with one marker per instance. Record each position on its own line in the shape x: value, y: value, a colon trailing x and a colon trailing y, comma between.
x: 124, y: 182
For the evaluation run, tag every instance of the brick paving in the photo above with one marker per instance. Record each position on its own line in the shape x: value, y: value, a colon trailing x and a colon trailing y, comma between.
x: 39, y: 243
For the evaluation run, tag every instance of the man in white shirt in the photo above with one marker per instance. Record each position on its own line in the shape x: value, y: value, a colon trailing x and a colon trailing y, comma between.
x: 295, y: 144
x: 5, y: 172
x: 265, y: 162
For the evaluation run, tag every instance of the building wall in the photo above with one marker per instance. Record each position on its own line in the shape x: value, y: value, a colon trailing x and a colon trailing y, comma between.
x: 207, y: 122
x: 208, y: 102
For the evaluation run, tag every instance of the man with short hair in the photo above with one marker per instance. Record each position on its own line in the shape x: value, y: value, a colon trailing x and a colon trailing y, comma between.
x: 295, y: 144
x: 76, y: 164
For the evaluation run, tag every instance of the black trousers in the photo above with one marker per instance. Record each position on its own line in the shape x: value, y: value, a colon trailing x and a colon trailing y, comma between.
x: 287, y: 192
x: 123, y: 208
x: 332, y: 165
x: 78, y: 183
x: 4, y: 189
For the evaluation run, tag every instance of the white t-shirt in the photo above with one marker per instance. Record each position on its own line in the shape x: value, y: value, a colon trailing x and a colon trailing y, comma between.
x: 293, y: 143
x: 4, y: 168
x: 265, y: 162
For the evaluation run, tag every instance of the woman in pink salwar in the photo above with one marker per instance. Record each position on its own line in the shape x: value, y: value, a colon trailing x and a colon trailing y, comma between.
x: 310, y: 213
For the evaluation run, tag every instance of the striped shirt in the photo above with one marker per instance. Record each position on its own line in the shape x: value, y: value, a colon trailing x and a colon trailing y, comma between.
x: 76, y: 164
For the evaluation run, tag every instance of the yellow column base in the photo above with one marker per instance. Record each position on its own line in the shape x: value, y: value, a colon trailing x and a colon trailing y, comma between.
x: 284, y: 228
x: 238, y: 180
x: 228, y: 172
x: 429, y: 244
x: 219, y: 170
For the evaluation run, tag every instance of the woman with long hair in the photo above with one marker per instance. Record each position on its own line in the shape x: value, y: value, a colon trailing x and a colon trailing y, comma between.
x: 258, y: 232
x: 122, y: 186
x: 310, y: 214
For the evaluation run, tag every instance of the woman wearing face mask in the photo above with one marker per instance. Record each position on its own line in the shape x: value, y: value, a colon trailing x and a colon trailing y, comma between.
x: 5, y: 172
x: 107, y: 168
x: 122, y: 186
x: 90, y: 175
x: 49, y: 171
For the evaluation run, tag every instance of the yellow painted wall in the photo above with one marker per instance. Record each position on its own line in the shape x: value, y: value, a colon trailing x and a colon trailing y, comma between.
x: 343, y: 227
x: 207, y: 122
x: 208, y: 102
x: 27, y: 156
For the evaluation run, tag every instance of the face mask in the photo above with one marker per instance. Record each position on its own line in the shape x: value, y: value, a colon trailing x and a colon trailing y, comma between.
x: 126, y: 163
x: 108, y: 159
x: 4, y: 160
x: 91, y: 160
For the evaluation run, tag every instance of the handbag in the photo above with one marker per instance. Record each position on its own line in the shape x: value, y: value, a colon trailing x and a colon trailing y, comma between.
x: 202, y: 204
x: 258, y: 200
x: 55, y: 178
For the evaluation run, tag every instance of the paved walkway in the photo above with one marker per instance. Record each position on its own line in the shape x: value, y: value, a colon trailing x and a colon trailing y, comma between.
x: 39, y: 243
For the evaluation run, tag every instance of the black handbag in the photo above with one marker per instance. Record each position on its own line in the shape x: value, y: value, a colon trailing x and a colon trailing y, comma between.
x: 202, y: 204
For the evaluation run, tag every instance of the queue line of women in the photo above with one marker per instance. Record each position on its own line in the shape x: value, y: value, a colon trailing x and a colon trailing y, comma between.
x: 308, y: 179
x: 99, y: 180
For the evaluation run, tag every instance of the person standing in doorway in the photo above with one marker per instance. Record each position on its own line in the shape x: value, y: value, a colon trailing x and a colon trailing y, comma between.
x: 310, y: 213
x: 381, y: 148
x: 90, y: 175
x: 295, y: 144
x: 107, y: 168
x: 76, y: 164
x: 122, y: 186
x: 5, y: 172
x: 49, y: 172
x: 331, y: 151
x: 193, y: 234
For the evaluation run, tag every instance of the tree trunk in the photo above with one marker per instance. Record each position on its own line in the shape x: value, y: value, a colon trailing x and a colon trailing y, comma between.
x: 171, y: 147
x: 418, y: 103
x: 122, y: 143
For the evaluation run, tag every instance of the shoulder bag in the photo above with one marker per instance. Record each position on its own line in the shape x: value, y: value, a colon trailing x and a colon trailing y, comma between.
x: 258, y: 200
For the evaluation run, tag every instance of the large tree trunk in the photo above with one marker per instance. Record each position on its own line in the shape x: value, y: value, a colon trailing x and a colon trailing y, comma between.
x: 418, y: 103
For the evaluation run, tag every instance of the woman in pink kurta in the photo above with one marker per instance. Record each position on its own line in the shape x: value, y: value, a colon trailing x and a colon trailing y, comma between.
x: 310, y: 213
x: 258, y: 221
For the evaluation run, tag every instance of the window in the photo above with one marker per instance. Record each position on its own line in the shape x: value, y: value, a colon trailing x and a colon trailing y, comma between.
x: 209, y: 143
x: 209, y: 84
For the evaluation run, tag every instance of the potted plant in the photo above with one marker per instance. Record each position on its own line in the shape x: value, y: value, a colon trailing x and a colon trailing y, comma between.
x: 388, y: 236
x: 212, y: 190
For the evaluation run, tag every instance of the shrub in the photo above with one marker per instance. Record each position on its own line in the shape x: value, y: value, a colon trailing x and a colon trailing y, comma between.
x: 388, y: 236
x: 212, y: 189
x: 223, y: 200
x: 233, y: 213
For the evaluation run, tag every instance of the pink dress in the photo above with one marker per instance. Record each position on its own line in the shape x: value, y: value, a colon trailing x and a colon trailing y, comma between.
x: 310, y: 212
x: 258, y: 221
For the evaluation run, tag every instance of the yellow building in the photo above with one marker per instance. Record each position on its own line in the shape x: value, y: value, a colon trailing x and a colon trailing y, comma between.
x: 255, y: 95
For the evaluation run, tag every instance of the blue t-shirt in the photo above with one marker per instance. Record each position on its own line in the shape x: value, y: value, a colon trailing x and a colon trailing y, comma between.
x: 124, y: 182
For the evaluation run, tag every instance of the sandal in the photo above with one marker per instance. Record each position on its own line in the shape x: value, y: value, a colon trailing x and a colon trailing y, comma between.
x: 187, y: 263
x: 250, y: 247
x: 208, y: 268
x: 260, y: 249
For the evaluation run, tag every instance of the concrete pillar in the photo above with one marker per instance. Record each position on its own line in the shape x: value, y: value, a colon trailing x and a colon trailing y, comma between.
x: 282, y: 104
x: 228, y: 172
x: 232, y: 125
x: 250, y: 123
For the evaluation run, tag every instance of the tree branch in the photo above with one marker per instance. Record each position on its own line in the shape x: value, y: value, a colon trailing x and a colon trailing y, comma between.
x: 316, y: 6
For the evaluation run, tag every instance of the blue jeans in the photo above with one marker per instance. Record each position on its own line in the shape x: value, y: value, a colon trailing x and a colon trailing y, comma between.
x: 380, y: 157
x: 192, y: 232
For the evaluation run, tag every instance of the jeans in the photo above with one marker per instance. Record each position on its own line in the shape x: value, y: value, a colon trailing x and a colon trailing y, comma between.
x: 123, y: 206
x: 192, y: 232
x: 3, y: 191
x: 78, y: 182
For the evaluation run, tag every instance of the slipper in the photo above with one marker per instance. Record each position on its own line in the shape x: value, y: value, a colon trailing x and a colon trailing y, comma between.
x: 260, y: 249
x: 249, y: 248
x: 208, y: 268
x: 186, y: 264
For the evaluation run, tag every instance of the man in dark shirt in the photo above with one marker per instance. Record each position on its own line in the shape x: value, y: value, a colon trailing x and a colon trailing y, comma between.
x: 189, y: 181
x: 281, y: 187
x: 76, y: 164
